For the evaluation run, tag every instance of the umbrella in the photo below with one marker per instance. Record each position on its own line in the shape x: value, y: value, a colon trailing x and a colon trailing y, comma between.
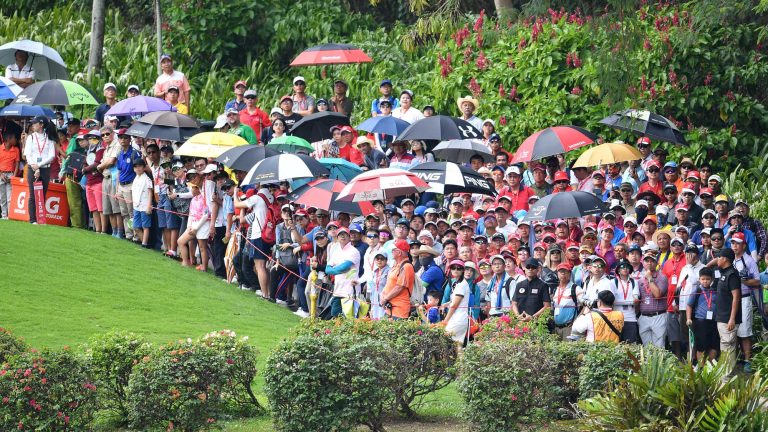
x: 381, y: 184
x: 552, y: 141
x: 168, y: 133
x: 284, y: 167
x: 462, y: 150
x: 566, y: 205
x: 8, y: 88
x: 243, y: 158
x: 448, y: 177
x: 209, y: 144
x: 169, y: 118
x: 331, y: 53
x: 316, y: 127
x: 291, y: 144
x: 45, y: 60
x: 56, y: 92
x: 643, y: 122
x: 25, y: 111
x: 341, y: 169
x: 323, y: 194
x: 440, y: 128
x: 607, y: 153
x: 385, y: 125
x: 139, y: 105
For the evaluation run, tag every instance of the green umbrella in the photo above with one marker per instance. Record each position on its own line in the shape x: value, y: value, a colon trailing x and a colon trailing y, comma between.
x: 56, y: 92
x: 291, y: 144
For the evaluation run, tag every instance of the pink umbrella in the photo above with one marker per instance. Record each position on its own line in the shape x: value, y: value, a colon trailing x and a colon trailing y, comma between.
x: 381, y: 184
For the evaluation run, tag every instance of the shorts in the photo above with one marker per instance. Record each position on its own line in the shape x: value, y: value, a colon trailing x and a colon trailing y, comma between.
x: 673, y: 327
x: 94, y: 197
x: 204, y: 231
x: 744, y: 330
x: 141, y: 220
x: 260, y: 250
x: 125, y: 199
x: 705, y: 335
x: 109, y: 203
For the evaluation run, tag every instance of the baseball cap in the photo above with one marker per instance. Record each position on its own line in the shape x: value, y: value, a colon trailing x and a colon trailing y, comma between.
x: 630, y: 219
x: 210, y: 168
x: 489, y: 121
x: 232, y: 111
x: 108, y: 85
x: 407, y: 201
x: 689, y: 188
x: 286, y: 97
x: 670, y: 164
x: 240, y: 83
x: 727, y: 253
x: 677, y: 240
x: 385, y: 82
x: 173, y: 87
x: 681, y: 207
x: 514, y: 169
x: 650, y: 253
x: 165, y: 57
x: 564, y: 266
x: 356, y: 228
x: 691, y: 247
x: 644, y: 140
x: 133, y: 87
x: 715, y: 177
x: 402, y: 245
x: 140, y: 162
x: 457, y: 200
x: 343, y: 230
x: 299, y: 78
x: 721, y: 198
x: 403, y: 221
x: 641, y: 203
x: 705, y: 191
x: 249, y: 93
x: 738, y: 237
x: 532, y: 262
x: 561, y: 176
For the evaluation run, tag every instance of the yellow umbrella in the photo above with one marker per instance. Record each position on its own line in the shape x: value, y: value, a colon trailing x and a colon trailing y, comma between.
x: 209, y: 144
x: 608, y: 153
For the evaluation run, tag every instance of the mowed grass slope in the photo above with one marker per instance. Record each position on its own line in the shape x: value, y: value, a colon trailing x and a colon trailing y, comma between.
x: 60, y: 286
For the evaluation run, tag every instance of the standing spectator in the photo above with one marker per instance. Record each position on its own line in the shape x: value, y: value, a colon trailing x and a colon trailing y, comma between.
x: 652, y: 322
x: 385, y: 88
x: 252, y: 115
x: 376, y: 284
x: 198, y: 228
x: 260, y: 204
x: 343, y: 264
x: 457, y: 318
x: 755, y: 226
x: 141, y: 196
x: 237, y: 103
x: 303, y: 104
x: 94, y: 178
x: 167, y: 218
x: 729, y: 314
x: 700, y: 312
x: 565, y: 301
x: 531, y: 297
x: 20, y: 72
x: 10, y: 156
x: 626, y: 301
x: 110, y: 98
x: 288, y: 265
x: 340, y: 102
x: 749, y: 274
x: 108, y: 168
x: 286, y: 109
x: 170, y: 77
x: 467, y: 106
x: 125, y: 176
x: 396, y: 297
x: 133, y: 91
x: 406, y: 111
x: 39, y: 151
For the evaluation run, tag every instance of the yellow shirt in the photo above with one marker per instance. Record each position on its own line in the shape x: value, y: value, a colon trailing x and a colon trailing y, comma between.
x: 181, y: 108
x: 601, y: 329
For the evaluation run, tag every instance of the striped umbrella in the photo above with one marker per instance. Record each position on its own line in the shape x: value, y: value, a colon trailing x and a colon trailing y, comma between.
x: 552, y: 141
x: 324, y: 193
x: 381, y: 184
x: 285, y: 167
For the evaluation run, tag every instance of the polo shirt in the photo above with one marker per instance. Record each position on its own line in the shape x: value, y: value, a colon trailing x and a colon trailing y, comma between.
x: 245, y: 132
x: 125, y: 161
x: 375, y: 104
x: 704, y: 300
x: 401, y: 275
x: 531, y: 295
x: 727, y: 282
x: 258, y: 120
x: 13, y: 71
x: 235, y: 104
x: 176, y: 78
x: 648, y: 303
x: 9, y: 159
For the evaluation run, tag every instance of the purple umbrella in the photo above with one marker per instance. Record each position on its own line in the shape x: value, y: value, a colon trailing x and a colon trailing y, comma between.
x: 139, y: 105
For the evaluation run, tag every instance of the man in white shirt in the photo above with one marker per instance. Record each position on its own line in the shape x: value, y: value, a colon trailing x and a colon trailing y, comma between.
x: 20, y: 72
x: 171, y: 78
x: 258, y: 204
x: 626, y: 301
x: 598, y: 282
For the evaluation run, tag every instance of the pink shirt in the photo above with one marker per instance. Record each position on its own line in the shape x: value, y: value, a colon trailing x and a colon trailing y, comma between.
x: 198, y: 208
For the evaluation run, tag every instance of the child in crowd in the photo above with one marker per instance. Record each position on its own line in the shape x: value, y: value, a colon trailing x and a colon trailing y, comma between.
x: 430, y: 312
x: 141, y: 193
x: 701, y: 316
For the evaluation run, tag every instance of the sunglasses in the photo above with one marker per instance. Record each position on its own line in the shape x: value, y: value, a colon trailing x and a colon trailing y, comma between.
x: 670, y: 171
x: 485, y: 265
x: 717, y: 238
x: 177, y: 169
x: 670, y: 192
x: 320, y: 237
x: 372, y: 236
x: 598, y: 265
x: 643, y: 145
x: 480, y: 242
x: 685, y: 167
x: 626, y: 190
x: 321, y: 215
x: 457, y: 268
x: 383, y: 234
x: 106, y: 134
x: 654, y: 170
x: 331, y: 228
x: 531, y: 267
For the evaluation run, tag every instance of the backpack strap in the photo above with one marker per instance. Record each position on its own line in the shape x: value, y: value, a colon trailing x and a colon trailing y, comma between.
x: 607, y: 321
x: 573, y: 295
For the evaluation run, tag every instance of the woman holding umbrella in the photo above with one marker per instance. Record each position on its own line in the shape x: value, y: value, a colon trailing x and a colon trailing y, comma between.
x: 39, y: 151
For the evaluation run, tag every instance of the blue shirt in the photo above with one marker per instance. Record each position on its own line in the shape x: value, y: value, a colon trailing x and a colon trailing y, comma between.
x: 235, y: 104
x: 125, y: 161
x: 703, y: 301
x: 433, y: 315
x: 749, y: 236
x: 433, y: 277
x: 375, y: 104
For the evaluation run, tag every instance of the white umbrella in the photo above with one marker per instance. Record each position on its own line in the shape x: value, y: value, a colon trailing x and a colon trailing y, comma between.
x: 381, y: 184
x: 45, y: 60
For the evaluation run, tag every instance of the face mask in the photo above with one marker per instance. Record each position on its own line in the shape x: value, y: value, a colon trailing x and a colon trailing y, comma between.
x: 425, y: 261
x: 641, y: 213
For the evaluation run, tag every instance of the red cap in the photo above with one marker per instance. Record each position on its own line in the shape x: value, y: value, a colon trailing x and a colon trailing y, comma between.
x: 570, y: 244
x: 505, y: 251
x: 403, y: 245
x: 591, y: 225
x: 286, y: 97
x: 599, y: 172
x: 561, y: 175
x: 549, y: 235
x: 694, y: 174
x: 644, y: 140
x: 346, y: 128
x: 738, y: 237
x: 301, y: 212
x: 538, y: 166
x: 120, y: 131
x: 342, y: 230
x: 681, y: 207
x: 332, y: 223
x: 515, y: 236
x: 706, y: 190
x: 241, y: 82
x: 653, y: 162
x: 564, y: 266
x: 540, y: 245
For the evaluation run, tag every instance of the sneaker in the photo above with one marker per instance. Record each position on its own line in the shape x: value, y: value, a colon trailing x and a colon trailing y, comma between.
x: 747, y: 367
x: 281, y: 302
x: 301, y: 313
x: 245, y: 288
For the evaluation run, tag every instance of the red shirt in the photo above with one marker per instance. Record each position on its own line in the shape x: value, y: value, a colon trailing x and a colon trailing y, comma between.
x: 257, y: 121
x: 658, y: 189
x: 671, y: 269
x: 9, y: 159
x: 351, y: 154
x: 519, y: 197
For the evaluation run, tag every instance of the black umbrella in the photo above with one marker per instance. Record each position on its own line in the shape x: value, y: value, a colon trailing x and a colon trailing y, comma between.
x: 448, y: 177
x: 170, y: 118
x: 462, y: 150
x: 285, y: 167
x: 566, y: 205
x: 169, y: 133
x: 440, y: 128
x: 317, y: 126
x: 243, y: 158
x: 646, y: 123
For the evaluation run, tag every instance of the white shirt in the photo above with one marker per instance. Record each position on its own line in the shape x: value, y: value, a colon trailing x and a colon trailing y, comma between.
x: 461, y: 315
x: 39, y: 150
x: 343, y: 285
x: 411, y: 115
x: 259, y: 209
x: 13, y: 71
x: 689, y: 283
x: 476, y: 122
x: 593, y: 287
x: 140, y: 192
x: 626, y: 294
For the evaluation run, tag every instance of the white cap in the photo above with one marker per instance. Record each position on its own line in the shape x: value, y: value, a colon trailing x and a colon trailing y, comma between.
x: 276, y: 110
x: 220, y: 121
x: 133, y: 87
x: 489, y: 121
x: 630, y: 219
x: 210, y: 168
x: 650, y: 246
x: 513, y: 169
x: 709, y: 211
x: 715, y: 177
x: 641, y: 203
x: 457, y: 200
x: 108, y: 85
x: 662, y: 209
x: 110, y: 117
x: 299, y: 78
x: 426, y: 233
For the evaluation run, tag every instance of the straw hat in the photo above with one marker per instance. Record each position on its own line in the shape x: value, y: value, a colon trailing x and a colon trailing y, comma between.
x: 469, y: 99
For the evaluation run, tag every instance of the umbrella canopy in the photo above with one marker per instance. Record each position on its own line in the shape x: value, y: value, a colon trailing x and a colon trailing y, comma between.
x: 56, y: 92
x: 168, y: 133
x: 462, y: 150
x: 139, y: 105
x: 643, y: 122
x: 552, y: 141
x: 385, y: 125
x: 341, y: 169
x: 8, y: 88
x: 331, y: 53
x: 317, y: 127
x: 25, y: 111
x: 607, y: 153
x: 284, y: 167
x: 440, y: 128
x: 169, y: 118
x: 209, y: 144
x: 243, y: 158
x: 324, y: 193
x: 448, y: 177
x: 45, y: 60
x: 291, y: 144
x: 381, y: 184
x: 566, y: 205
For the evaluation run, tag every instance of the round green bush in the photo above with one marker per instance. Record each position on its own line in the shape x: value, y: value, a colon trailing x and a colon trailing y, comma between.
x: 10, y: 345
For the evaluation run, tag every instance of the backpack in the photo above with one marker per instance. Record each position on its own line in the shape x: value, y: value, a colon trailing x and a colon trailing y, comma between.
x: 270, y: 222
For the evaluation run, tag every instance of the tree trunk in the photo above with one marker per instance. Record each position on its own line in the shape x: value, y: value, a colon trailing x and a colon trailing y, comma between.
x: 97, y: 37
x: 503, y: 8
x: 159, y: 35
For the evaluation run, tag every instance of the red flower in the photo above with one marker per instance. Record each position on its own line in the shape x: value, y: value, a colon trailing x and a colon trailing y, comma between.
x: 513, y: 94
x: 5, y: 400
x: 503, y: 120
x: 513, y: 397
x: 522, y: 43
x: 482, y: 61
x: 730, y: 95
x: 576, y: 90
x: 672, y: 77
x: 44, y: 381
x: 419, y: 332
x: 27, y: 372
x: 210, y: 420
x: 502, y: 92
x: 230, y: 361
x: 467, y: 55
x: 327, y: 331
x: 647, y: 44
x: 479, y: 21
x: 21, y: 426
x: 643, y: 83
x: 474, y: 87
x: 27, y: 388
x: 66, y: 419
x: 733, y: 129
x: 479, y: 40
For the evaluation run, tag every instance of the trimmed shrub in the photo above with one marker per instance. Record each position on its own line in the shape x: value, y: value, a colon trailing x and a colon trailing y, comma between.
x: 50, y: 390
x: 329, y: 382
x: 508, y: 327
x: 603, y: 366
x: 421, y: 357
x: 10, y: 345
x: 112, y: 357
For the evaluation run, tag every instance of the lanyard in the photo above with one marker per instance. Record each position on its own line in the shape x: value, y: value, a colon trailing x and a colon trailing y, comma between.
x: 708, y: 299
x: 498, y: 288
x: 624, y: 287
x: 560, y: 294
x: 39, y: 147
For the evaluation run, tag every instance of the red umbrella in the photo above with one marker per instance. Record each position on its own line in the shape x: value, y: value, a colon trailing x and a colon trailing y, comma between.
x: 381, y: 184
x: 331, y: 54
x: 323, y: 194
x: 552, y: 141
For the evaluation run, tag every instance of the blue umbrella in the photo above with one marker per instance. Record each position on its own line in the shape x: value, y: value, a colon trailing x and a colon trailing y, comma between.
x: 20, y: 110
x: 9, y: 89
x: 384, y: 125
x: 341, y: 169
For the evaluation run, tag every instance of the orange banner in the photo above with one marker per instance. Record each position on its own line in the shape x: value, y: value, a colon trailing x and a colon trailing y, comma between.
x: 56, y: 206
